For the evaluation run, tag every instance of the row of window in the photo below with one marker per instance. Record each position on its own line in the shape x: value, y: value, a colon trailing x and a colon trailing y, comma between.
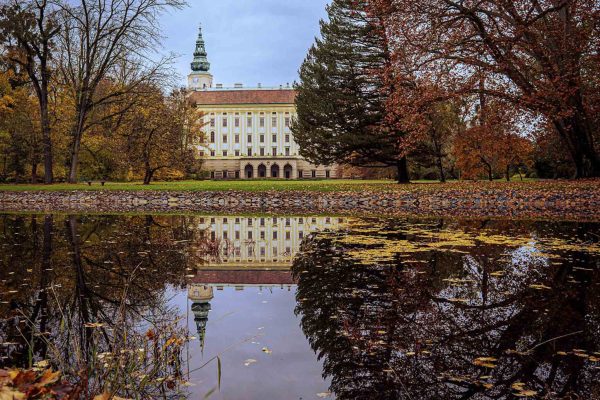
x: 261, y: 120
x: 274, y: 220
x: 237, y: 138
x: 288, y: 235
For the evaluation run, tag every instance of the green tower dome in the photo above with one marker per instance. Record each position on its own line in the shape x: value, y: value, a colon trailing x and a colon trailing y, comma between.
x: 200, y: 63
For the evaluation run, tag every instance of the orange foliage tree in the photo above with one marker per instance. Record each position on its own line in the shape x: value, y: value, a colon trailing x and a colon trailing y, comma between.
x: 539, y: 55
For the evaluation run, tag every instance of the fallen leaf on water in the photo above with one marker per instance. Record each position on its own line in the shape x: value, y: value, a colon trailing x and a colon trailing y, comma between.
x: 266, y: 350
x: 249, y: 361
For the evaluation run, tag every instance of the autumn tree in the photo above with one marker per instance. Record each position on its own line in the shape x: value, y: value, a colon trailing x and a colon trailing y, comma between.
x: 538, y: 55
x: 27, y: 32
x: 491, y: 145
x: 108, y: 40
x: 341, y: 110
x: 162, y: 133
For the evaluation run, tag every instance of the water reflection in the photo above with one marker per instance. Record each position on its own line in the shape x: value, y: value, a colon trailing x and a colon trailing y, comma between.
x: 430, y: 310
x: 393, y: 309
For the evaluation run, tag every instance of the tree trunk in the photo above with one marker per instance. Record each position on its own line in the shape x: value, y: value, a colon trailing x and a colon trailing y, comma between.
x: 148, y: 176
x: 34, y: 176
x: 76, y: 133
x: 440, y: 166
x: 579, y: 140
x: 402, y: 166
x: 508, y: 173
x: 46, y: 137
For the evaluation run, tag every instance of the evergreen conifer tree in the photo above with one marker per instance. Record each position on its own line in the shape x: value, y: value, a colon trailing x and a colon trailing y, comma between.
x: 342, y: 93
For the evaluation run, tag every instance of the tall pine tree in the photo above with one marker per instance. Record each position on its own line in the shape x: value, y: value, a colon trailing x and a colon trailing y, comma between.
x: 342, y: 94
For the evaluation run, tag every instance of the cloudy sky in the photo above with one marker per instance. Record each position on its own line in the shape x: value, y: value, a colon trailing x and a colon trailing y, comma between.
x: 248, y: 41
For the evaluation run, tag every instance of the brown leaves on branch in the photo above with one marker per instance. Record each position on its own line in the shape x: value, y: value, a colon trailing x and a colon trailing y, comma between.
x: 539, y: 56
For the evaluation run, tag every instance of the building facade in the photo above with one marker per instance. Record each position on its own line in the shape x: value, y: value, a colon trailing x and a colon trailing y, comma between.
x: 247, y: 130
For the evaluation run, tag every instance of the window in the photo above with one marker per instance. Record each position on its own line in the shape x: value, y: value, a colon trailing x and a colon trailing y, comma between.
x: 212, y: 174
x: 237, y: 235
x: 224, y: 122
x: 212, y: 122
x: 288, y: 236
x: 237, y: 153
x: 212, y: 137
x: 274, y: 235
x: 249, y: 153
x: 287, y: 122
x: 225, y: 235
x: 301, y: 220
x: 274, y: 151
x: 261, y: 122
x: 262, y: 222
x: 201, y: 153
x: 249, y: 138
x: 274, y: 251
x: 287, y: 151
x: 249, y: 221
x: 237, y: 122
x: 224, y: 153
x: 301, y: 235
x: 249, y: 122
x: 274, y: 138
x: 225, y: 174
x: 249, y: 234
x: 262, y: 251
x: 288, y: 222
x: 314, y: 173
x: 224, y: 138
x: 262, y: 235
x: 287, y: 138
x: 262, y: 138
x: 262, y: 151
x: 237, y: 138
x: 212, y: 153
x: 327, y: 174
x: 274, y: 121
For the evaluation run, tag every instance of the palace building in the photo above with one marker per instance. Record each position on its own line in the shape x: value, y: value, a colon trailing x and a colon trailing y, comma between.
x: 247, y: 129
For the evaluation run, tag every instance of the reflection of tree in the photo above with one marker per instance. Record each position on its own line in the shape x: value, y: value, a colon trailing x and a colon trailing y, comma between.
x: 70, y: 288
x: 491, y: 322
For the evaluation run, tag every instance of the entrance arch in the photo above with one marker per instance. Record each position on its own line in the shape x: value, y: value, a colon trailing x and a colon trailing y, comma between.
x: 262, y: 171
x: 287, y: 171
x: 275, y: 171
x: 249, y: 171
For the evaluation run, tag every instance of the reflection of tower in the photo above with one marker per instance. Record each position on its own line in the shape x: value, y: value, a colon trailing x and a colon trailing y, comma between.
x: 201, y: 296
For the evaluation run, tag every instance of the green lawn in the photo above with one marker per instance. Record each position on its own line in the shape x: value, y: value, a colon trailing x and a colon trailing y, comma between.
x: 242, y: 185
x: 266, y: 185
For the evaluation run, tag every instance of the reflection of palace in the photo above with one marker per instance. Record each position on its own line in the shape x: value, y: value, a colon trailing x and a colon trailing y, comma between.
x: 252, y: 252
x: 260, y: 242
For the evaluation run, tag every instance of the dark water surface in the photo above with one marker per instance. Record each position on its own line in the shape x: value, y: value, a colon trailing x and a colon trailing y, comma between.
x: 306, y: 307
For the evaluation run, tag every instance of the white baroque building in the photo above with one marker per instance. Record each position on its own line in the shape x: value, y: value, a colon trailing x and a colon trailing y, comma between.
x: 248, y: 129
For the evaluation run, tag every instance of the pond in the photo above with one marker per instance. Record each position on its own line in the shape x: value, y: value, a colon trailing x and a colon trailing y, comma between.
x: 303, y: 307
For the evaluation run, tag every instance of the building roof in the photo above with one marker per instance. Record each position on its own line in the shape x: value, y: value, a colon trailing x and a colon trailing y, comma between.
x: 245, y: 96
x: 254, y: 277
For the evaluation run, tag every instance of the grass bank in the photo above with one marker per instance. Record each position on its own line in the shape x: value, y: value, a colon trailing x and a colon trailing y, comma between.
x: 340, y: 185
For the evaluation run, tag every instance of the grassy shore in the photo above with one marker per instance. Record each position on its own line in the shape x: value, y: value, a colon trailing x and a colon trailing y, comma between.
x: 338, y: 185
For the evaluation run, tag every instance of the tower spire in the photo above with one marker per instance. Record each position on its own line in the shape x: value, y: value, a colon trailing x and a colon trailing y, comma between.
x: 200, y: 63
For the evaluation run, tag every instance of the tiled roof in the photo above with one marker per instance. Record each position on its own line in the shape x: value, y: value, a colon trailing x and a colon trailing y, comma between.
x: 220, y: 97
x: 256, y: 277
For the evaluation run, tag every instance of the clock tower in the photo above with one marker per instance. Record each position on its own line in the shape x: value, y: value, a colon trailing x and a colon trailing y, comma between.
x: 200, y: 78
